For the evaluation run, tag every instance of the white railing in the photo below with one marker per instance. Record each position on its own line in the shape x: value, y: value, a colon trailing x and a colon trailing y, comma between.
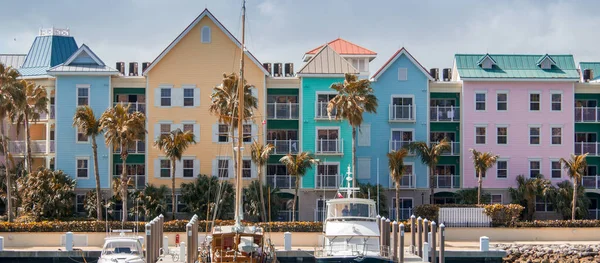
x: 284, y: 146
x: 37, y: 146
x: 319, y: 215
x: 453, y: 151
x: 587, y: 114
x: 281, y: 181
x: 405, y: 213
x: 137, y: 147
x: 331, y: 181
x: 591, y: 181
x: 285, y: 215
x: 283, y: 111
x: 334, y: 146
x: 591, y: 148
x: 397, y: 145
x: 594, y: 214
x: 321, y: 111
x: 52, y: 146
x: 133, y: 106
x: 352, y: 249
x: 446, y: 181
x: 402, y: 112
x: 464, y: 217
x: 54, y: 32
x: 444, y: 113
x: 406, y: 182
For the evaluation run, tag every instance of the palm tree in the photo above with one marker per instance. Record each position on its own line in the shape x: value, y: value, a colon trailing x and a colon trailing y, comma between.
x: 353, y: 99
x: 297, y: 166
x: 482, y: 161
x: 396, y: 165
x: 8, y: 96
x: 429, y: 156
x: 528, y: 189
x: 30, y: 109
x: 84, y: 119
x: 575, y: 168
x: 173, y: 145
x: 122, y: 129
x: 260, y: 155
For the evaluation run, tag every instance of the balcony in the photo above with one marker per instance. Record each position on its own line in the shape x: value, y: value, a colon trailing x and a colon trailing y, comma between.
x: 37, y: 147
x: 446, y: 181
x: 592, y: 148
x: 133, y: 106
x: 454, y: 149
x: 333, y: 146
x: 405, y: 213
x: 397, y: 145
x: 331, y: 181
x: 138, y: 147
x: 283, y: 111
x: 284, y: 146
x: 594, y: 214
x: 406, y: 182
x: 591, y: 181
x: 587, y: 114
x: 51, y: 113
x: 402, y: 113
x: 321, y: 111
x: 320, y: 215
x: 444, y: 113
x: 281, y: 181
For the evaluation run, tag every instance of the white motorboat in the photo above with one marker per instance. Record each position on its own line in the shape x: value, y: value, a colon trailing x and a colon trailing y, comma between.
x: 122, y: 249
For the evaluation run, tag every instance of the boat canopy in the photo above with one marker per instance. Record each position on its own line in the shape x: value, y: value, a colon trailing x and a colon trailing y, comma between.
x: 346, y: 208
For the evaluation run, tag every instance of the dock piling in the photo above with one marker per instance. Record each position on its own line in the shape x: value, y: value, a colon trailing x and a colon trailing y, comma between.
x: 388, y: 233
x: 69, y: 241
x: 287, y: 241
x: 484, y: 243
x: 402, y: 242
x: 161, y: 221
x: 442, y: 245
x: 182, y: 257
x: 395, y: 239
x: 148, y: 241
x: 425, y: 256
x: 413, y: 231
x: 420, y: 236
x: 433, y: 242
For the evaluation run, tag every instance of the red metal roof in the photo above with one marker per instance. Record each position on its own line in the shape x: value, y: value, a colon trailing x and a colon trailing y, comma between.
x: 344, y: 47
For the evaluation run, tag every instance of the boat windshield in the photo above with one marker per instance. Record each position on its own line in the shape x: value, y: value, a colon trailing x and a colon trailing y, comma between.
x: 121, y: 247
x: 342, y: 210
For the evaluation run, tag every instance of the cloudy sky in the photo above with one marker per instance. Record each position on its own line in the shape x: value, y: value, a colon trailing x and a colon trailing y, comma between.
x: 283, y: 30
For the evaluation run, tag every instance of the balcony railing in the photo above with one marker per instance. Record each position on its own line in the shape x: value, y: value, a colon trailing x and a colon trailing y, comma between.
x: 406, y: 182
x: 37, y: 146
x: 592, y: 148
x: 281, y: 181
x: 591, y: 181
x: 402, y: 112
x: 405, y: 213
x: 52, y: 112
x: 284, y: 146
x: 444, y: 113
x: 327, y: 181
x: 133, y: 106
x: 282, y: 111
x: 334, y: 146
x: 397, y: 145
x: 321, y: 111
x: 137, y: 147
x: 594, y: 214
x: 453, y: 151
x: 446, y: 181
x: 587, y: 114
x: 285, y: 215
x: 320, y: 214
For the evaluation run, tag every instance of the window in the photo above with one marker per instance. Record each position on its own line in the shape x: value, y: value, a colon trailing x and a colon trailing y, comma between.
x: 555, y: 169
x: 247, y: 133
x: 188, y: 168
x: 205, y: 34
x: 534, y: 135
x: 79, y: 204
x: 542, y: 205
x: 401, y: 139
x: 402, y: 108
x: 496, y: 199
x: 165, y: 168
x: 165, y: 97
x: 82, y: 167
x: 165, y: 129
x: 502, y: 101
x: 502, y: 135
x: 480, y: 101
x: 402, y: 74
x: 480, y: 135
x: 534, y: 168
x: 502, y: 169
x: 327, y: 175
x: 327, y: 140
x: 81, y: 137
x: 136, y: 171
x: 591, y: 170
x: 322, y: 101
x: 534, y: 101
x: 445, y: 170
x: 556, y: 135
x: 83, y: 96
x: 406, y: 205
x: 556, y: 102
x: 246, y: 169
x: 223, y: 168
x: 223, y: 133
x: 188, y: 97
x: 181, y: 206
x: 438, y: 136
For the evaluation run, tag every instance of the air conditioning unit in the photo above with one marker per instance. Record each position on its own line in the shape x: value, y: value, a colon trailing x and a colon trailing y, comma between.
x: 121, y: 67
x: 277, y: 70
x: 133, y: 68
x: 145, y: 65
x: 268, y: 67
x: 289, y: 69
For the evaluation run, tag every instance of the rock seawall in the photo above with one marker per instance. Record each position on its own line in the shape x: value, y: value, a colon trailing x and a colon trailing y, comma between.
x: 550, y: 253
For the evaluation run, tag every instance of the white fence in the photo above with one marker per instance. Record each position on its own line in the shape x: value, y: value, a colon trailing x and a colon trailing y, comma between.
x: 464, y: 217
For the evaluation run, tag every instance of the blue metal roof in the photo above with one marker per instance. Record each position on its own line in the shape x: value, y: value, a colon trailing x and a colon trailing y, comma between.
x: 47, y: 52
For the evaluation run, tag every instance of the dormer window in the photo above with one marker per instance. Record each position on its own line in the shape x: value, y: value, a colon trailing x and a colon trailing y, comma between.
x: 205, y: 36
x: 486, y: 62
x: 546, y: 62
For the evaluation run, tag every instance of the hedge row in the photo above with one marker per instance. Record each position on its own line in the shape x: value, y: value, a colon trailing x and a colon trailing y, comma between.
x: 558, y: 223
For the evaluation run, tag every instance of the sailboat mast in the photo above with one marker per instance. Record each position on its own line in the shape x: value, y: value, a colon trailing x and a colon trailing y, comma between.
x: 238, y: 189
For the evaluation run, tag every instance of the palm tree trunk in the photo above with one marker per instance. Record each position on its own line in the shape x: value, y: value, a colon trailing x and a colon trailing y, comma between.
x: 262, y: 196
x: 97, y: 175
x: 397, y: 201
x: 27, y: 145
x: 354, y: 156
x: 479, y: 182
x: 431, y: 181
x: 530, y: 208
x: 173, y: 189
x: 295, y: 199
x: 574, y: 206
x: 7, y: 172
x: 124, y: 185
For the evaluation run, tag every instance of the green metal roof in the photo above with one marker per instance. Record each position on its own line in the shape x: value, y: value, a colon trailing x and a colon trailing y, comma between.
x: 516, y: 67
x: 594, y: 66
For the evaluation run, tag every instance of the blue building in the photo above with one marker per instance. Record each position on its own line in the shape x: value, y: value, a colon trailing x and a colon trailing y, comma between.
x: 401, y: 86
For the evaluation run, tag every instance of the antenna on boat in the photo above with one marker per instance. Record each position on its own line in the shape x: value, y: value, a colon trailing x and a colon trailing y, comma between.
x: 349, y: 186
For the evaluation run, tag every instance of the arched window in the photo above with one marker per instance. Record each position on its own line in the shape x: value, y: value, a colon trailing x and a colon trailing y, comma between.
x: 205, y: 34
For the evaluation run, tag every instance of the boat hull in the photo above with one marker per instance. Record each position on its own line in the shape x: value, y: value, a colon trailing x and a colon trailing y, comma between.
x: 353, y: 259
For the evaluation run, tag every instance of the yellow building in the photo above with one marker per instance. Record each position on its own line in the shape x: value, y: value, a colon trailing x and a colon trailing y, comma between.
x: 179, y: 84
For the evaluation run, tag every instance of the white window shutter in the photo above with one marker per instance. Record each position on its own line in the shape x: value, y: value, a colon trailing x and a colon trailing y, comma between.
x: 364, y: 135
x: 215, y: 131
x: 196, y: 167
x: 231, y: 166
x: 253, y: 173
x: 157, y: 168
x: 196, y: 97
x: 156, y: 131
x: 178, y: 169
x: 254, y: 131
x: 197, y: 132
x: 214, y: 168
x: 157, y: 97
x: 254, y: 92
x: 177, y: 97
x: 363, y: 168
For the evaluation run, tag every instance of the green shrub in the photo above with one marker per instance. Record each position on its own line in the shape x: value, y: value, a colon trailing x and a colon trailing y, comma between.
x: 503, y: 215
x: 429, y: 212
x: 558, y: 223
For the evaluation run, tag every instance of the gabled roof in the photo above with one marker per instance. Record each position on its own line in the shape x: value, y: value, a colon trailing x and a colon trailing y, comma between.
x: 84, y: 61
x: 327, y: 61
x: 539, y: 62
x: 487, y: 56
x: 510, y: 66
x: 208, y: 14
x: 594, y: 66
x: 84, y: 50
x: 47, y: 52
x: 344, y: 47
x: 12, y: 60
x: 391, y: 61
